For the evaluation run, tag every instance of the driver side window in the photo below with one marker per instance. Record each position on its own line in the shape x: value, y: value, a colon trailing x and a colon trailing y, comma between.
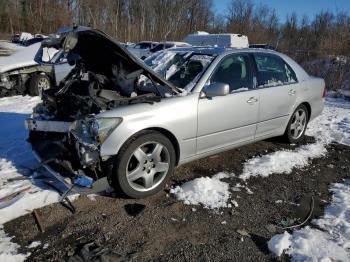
x: 234, y: 70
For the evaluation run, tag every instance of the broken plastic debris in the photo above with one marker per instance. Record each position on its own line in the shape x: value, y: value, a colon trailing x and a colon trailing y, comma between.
x: 83, y: 181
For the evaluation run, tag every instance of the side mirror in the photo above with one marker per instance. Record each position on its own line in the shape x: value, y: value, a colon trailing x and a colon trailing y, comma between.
x: 216, y: 89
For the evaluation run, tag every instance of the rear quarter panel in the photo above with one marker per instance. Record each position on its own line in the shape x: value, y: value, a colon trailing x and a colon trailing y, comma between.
x: 312, y: 92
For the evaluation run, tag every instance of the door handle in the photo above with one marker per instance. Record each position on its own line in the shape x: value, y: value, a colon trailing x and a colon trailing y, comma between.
x: 252, y: 100
x: 291, y: 92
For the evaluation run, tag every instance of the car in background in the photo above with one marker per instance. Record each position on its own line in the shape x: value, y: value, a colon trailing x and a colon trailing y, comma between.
x: 19, y: 38
x: 20, y: 74
x: 114, y: 120
x: 141, y: 49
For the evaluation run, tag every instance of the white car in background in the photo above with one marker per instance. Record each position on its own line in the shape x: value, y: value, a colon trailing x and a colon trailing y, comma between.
x: 20, y: 74
x: 141, y: 49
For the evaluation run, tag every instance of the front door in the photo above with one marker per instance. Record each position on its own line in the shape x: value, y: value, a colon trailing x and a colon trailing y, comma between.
x: 225, y: 121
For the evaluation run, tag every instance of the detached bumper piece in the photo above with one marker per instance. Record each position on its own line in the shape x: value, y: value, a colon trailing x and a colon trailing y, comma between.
x: 60, y: 163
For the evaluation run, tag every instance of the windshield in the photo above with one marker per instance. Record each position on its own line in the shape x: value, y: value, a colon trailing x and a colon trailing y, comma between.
x: 181, y: 68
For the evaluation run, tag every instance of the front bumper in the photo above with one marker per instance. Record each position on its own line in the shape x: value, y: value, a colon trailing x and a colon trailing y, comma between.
x: 98, y: 186
x: 46, y: 138
x: 47, y: 126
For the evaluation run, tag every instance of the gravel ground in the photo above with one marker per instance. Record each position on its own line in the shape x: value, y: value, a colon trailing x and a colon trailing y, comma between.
x: 160, y: 228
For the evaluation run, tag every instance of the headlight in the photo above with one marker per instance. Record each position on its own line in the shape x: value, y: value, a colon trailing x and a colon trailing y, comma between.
x: 103, y: 127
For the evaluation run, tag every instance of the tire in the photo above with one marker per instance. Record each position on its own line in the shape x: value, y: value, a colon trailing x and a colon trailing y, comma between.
x: 38, y: 83
x: 297, y: 125
x: 139, y: 174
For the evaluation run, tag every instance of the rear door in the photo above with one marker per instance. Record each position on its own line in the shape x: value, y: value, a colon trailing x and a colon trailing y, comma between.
x: 278, y: 87
x: 225, y: 121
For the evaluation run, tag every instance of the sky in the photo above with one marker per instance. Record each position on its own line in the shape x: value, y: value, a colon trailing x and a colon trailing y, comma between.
x: 301, y: 7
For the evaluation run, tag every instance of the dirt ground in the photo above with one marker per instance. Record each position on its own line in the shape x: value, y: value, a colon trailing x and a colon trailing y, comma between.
x: 160, y: 228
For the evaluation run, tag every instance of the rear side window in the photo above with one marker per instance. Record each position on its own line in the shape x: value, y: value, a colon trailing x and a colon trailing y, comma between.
x: 234, y: 70
x: 273, y: 71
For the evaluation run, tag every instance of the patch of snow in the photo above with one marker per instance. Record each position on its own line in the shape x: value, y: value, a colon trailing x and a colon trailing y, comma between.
x: 333, y: 242
x: 279, y: 243
x: 92, y: 197
x: 16, y: 170
x: 8, y: 249
x: 209, y: 192
x: 282, y: 161
x: 333, y: 125
x: 34, y: 244
x: 234, y: 203
x: 310, y: 244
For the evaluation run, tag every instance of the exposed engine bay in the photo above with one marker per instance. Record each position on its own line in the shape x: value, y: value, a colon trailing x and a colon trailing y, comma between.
x: 105, y: 76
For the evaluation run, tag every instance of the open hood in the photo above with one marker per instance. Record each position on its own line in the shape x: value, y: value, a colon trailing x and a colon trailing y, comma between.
x: 100, y: 53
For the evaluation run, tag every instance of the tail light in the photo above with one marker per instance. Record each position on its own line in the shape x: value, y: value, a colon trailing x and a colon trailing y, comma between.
x: 324, y: 93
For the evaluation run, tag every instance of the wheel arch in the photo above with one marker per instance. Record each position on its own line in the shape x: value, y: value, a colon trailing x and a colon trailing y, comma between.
x: 171, y: 137
x: 308, y: 107
x: 30, y: 75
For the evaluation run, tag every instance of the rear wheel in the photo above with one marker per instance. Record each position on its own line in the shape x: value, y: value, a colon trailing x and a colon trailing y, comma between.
x: 297, y: 125
x: 143, y: 165
x: 39, y: 83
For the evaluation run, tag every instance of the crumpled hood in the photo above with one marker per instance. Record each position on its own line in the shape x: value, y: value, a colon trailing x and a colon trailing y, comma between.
x: 100, y: 52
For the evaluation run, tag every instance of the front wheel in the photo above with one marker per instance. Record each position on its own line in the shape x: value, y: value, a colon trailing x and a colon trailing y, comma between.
x: 143, y: 165
x: 39, y: 83
x: 297, y: 125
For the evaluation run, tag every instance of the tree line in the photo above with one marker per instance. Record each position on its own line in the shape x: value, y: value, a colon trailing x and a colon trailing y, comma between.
x: 134, y: 20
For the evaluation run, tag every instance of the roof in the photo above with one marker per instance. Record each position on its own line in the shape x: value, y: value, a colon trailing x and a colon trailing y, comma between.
x: 219, y: 50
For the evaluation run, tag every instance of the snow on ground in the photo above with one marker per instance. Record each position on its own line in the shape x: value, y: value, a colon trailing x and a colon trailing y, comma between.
x: 282, y: 161
x: 333, y: 125
x: 329, y: 243
x: 210, y: 192
x: 332, y: 242
x: 16, y: 163
x: 8, y: 250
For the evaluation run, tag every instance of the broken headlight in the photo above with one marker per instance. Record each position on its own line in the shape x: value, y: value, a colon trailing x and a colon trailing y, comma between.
x: 103, y: 127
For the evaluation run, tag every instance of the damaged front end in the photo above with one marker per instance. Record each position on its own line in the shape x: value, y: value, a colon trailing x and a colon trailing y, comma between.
x: 64, y: 131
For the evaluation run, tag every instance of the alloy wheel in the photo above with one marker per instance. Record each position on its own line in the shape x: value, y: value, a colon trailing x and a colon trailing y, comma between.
x: 148, y: 166
x: 298, y: 123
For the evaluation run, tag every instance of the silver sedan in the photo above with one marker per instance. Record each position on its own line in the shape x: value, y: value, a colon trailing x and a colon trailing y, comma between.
x: 229, y: 98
